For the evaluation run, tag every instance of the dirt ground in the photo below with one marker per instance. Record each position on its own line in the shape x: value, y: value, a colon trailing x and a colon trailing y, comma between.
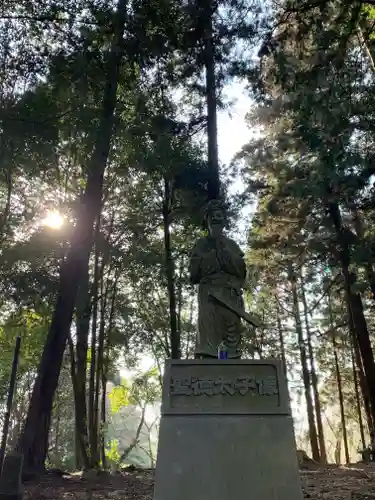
x: 328, y: 483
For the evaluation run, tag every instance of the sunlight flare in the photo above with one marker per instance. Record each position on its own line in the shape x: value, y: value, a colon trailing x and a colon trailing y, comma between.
x: 53, y: 220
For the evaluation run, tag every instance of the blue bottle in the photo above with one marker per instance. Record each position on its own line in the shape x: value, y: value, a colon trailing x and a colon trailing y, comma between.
x: 222, y: 351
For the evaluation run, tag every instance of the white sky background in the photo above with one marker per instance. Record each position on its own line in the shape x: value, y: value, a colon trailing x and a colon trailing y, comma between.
x: 233, y: 132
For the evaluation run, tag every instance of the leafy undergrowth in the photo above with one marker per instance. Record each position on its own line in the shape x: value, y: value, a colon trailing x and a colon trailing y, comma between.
x: 328, y: 483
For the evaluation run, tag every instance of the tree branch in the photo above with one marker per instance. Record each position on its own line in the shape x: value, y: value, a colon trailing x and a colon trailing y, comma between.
x: 135, y: 441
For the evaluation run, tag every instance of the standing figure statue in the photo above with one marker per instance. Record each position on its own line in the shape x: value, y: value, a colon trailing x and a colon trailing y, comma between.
x: 217, y: 265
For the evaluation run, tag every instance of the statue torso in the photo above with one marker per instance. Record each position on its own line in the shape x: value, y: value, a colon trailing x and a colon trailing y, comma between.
x: 220, y: 262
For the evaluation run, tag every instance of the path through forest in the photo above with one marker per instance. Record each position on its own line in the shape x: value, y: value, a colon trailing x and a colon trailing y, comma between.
x: 329, y: 483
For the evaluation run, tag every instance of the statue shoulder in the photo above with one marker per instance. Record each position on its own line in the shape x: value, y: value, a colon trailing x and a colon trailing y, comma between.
x: 200, y: 246
x: 234, y: 247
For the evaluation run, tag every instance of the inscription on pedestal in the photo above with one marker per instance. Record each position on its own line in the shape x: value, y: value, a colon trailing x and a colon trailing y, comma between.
x: 242, y: 385
x: 227, y: 387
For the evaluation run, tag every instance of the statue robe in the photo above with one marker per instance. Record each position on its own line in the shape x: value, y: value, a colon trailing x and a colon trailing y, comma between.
x: 218, y: 266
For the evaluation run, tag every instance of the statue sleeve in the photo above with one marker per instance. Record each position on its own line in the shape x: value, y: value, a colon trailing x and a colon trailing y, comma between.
x: 232, y: 259
x: 195, y: 264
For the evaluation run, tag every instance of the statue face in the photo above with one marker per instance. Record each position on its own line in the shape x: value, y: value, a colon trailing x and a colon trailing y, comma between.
x: 216, y: 220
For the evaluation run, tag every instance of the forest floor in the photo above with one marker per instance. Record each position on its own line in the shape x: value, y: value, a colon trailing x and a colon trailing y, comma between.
x: 328, y: 483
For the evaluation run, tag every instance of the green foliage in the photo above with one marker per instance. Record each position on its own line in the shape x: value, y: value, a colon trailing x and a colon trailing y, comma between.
x: 144, y: 389
x: 112, y: 452
x: 119, y: 397
x: 32, y: 328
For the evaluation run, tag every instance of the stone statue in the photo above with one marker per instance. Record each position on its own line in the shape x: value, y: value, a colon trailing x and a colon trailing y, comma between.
x: 217, y: 264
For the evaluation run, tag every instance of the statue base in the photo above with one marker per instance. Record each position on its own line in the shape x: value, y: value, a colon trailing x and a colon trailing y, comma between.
x: 226, y: 432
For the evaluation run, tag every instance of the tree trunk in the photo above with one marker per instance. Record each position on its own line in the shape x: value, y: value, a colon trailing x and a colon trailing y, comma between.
x: 341, y: 399
x: 355, y: 307
x: 81, y: 448
x: 179, y: 295
x: 305, y: 371
x: 170, y: 272
x: 338, y: 380
x: 103, y: 420
x: 190, y: 333
x: 363, y: 385
x: 79, y: 372
x: 371, y: 279
x: 99, y: 372
x: 57, y: 432
x: 281, y: 340
x: 105, y: 367
x: 314, y: 378
x: 135, y: 441
x: 360, y: 230
x: 365, y: 349
x: 338, y: 448
x: 151, y: 454
x: 93, y: 417
x: 34, y: 440
x: 4, y: 216
x: 209, y: 7
x: 357, y: 398
x: 361, y: 375
x: 367, y: 45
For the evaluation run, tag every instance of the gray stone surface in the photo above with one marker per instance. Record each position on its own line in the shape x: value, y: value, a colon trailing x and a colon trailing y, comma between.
x: 229, y: 435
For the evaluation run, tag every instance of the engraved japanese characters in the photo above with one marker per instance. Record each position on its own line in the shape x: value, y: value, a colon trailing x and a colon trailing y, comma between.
x: 210, y: 386
x: 217, y: 265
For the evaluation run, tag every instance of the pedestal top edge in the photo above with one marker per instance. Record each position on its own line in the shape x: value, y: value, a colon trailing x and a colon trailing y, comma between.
x: 222, y: 362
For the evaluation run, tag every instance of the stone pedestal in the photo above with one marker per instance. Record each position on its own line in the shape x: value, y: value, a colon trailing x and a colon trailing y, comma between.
x: 226, y: 433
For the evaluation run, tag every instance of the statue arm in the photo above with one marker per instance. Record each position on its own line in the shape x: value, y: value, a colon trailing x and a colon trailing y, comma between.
x: 236, y: 266
x: 240, y: 266
x: 194, y: 269
x: 232, y: 260
x: 195, y: 266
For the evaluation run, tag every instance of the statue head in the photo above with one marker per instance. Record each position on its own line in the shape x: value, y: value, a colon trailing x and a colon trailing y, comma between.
x: 215, y: 217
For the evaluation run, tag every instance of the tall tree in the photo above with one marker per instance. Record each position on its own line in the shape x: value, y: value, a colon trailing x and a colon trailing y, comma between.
x: 34, y: 440
x: 339, y: 384
x: 305, y: 369
x: 314, y: 378
x: 313, y: 184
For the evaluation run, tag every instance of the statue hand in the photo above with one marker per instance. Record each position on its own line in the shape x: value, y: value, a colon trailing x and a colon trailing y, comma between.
x: 210, y: 263
x: 211, y: 254
x: 224, y: 251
